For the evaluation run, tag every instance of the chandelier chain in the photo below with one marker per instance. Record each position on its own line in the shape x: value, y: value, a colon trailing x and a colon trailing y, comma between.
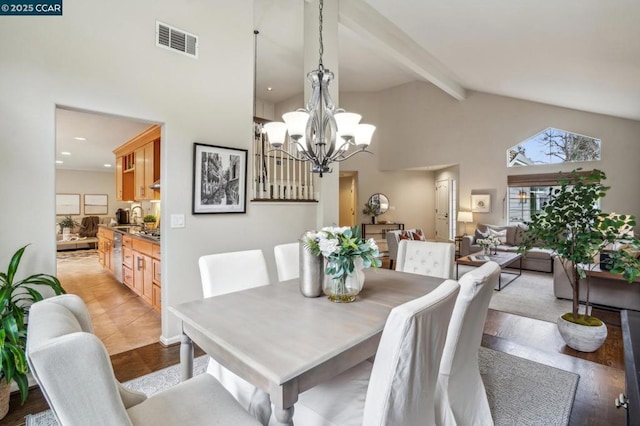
x: 321, y: 48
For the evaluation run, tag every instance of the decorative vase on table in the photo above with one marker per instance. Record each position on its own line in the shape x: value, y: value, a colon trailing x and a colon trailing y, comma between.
x: 346, y: 254
x: 344, y: 286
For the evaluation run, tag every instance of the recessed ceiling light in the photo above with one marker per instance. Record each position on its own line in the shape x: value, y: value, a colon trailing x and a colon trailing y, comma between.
x: 269, y: 89
x: 107, y: 165
x: 80, y: 138
x: 59, y: 161
x: 65, y: 153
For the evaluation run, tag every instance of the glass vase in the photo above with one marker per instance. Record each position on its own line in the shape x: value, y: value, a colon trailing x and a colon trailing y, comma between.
x: 487, y: 250
x: 345, y: 287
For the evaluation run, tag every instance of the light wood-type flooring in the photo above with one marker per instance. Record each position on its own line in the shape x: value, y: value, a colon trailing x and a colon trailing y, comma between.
x: 601, y: 373
x: 120, y: 318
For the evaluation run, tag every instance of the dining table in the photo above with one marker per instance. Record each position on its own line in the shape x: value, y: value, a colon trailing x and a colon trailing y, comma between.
x: 285, y: 343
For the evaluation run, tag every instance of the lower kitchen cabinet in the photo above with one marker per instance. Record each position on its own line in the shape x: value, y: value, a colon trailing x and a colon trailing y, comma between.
x: 140, y: 264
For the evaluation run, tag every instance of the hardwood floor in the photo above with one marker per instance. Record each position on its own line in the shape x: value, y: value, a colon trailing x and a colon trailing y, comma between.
x: 601, y: 373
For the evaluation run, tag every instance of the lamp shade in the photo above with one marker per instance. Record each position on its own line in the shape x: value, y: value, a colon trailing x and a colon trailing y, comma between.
x: 347, y: 122
x: 364, y: 132
x: 276, y: 132
x: 465, y: 217
x: 296, y: 122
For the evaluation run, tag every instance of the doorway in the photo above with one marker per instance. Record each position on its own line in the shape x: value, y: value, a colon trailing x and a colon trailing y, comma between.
x: 86, y: 168
x: 347, y: 199
x: 442, y: 210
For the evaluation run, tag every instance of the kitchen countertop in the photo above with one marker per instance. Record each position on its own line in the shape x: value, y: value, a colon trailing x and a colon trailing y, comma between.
x: 134, y: 231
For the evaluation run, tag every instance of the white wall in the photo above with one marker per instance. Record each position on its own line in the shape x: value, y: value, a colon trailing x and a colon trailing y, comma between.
x: 104, y: 59
x: 421, y: 126
x: 411, y: 193
x: 84, y: 182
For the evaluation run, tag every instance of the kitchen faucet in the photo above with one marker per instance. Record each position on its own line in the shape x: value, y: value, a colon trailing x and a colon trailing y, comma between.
x: 134, y: 215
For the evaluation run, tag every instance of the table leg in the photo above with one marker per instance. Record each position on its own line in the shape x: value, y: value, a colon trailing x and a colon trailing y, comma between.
x: 186, y: 357
x: 284, y: 416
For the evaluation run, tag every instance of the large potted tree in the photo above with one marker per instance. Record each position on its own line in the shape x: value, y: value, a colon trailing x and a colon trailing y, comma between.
x: 16, y: 296
x: 572, y: 224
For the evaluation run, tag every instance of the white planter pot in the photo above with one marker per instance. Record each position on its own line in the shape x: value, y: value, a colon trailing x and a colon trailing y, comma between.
x: 581, y: 337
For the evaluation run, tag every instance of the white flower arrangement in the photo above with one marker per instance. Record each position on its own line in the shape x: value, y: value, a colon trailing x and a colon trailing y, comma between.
x: 341, y: 246
x: 488, y: 242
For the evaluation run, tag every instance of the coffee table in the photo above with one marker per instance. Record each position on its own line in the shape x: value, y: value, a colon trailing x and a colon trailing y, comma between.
x: 503, y: 259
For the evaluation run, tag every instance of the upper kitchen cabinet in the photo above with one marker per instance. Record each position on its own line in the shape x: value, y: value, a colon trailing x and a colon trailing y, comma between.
x: 138, y: 167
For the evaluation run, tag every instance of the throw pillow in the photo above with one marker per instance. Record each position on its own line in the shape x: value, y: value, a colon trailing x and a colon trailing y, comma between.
x: 500, y: 235
x: 480, y: 234
x: 417, y: 235
x: 404, y: 235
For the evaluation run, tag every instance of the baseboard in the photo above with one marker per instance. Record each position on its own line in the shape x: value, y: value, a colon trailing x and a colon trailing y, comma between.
x: 169, y: 341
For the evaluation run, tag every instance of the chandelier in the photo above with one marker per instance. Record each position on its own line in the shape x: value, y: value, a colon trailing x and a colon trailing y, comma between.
x: 321, y: 133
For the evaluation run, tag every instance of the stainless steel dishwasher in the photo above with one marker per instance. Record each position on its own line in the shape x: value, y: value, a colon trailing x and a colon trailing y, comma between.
x: 117, y: 255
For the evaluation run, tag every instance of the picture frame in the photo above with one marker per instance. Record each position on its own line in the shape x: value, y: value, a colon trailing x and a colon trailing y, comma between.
x: 481, y: 203
x: 219, y: 179
x: 95, y: 204
x: 67, y: 204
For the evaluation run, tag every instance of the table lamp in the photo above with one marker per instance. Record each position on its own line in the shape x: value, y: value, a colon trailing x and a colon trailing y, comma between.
x: 465, y: 217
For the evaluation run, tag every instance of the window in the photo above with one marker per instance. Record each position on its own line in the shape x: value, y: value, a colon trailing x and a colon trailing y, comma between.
x: 553, y: 146
x: 527, y: 194
x: 525, y: 201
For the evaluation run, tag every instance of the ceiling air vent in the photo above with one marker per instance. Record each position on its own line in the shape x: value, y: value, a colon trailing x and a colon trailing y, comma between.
x: 172, y: 38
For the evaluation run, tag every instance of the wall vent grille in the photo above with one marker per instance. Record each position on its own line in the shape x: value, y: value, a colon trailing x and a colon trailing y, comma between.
x: 177, y: 40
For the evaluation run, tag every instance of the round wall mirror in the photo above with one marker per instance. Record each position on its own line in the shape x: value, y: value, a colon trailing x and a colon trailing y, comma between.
x: 379, y: 203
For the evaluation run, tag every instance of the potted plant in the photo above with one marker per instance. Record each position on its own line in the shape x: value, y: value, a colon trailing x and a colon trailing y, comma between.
x: 66, y: 224
x: 150, y: 221
x: 16, y: 296
x: 371, y: 209
x: 572, y: 225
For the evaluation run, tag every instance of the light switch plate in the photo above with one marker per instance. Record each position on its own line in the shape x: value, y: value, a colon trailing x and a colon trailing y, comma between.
x: 177, y: 221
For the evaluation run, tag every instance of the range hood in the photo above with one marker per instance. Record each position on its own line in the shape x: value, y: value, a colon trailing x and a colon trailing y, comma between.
x: 155, y: 185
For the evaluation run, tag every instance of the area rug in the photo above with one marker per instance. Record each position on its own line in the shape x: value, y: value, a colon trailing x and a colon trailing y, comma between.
x: 530, y: 295
x: 520, y: 392
x: 75, y: 254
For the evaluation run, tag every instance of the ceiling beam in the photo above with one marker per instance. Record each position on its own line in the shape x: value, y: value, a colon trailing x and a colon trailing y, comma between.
x: 365, y: 20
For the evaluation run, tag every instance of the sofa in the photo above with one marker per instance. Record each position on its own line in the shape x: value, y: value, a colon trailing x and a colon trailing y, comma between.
x: 605, y: 288
x: 535, y: 259
x: 83, y: 236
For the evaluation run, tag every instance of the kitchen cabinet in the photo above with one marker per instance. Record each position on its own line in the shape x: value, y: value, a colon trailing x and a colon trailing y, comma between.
x: 127, y: 261
x: 138, y: 166
x: 143, y: 270
x: 105, y: 248
x: 124, y: 178
x: 146, y: 170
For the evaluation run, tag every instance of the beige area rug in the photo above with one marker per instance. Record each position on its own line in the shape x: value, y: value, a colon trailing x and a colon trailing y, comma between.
x: 520, y: 392
x: 530, y: 295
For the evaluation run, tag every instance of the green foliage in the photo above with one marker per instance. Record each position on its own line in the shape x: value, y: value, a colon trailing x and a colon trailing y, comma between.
x: 371, y: 209
x: 149, y: 218
x: 573, y: 226
x: 15, y: 299
x: 341, y: 246
x: 68, y: 222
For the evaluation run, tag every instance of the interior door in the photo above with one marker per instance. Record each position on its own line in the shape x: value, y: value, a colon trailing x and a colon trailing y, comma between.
x: 347, y: 200
x: 442, y: 210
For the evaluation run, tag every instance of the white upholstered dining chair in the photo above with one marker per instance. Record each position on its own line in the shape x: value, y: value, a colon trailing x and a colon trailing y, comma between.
x: 223, y: 273
x: 461, y: 398
x: 398, y: 387
x: 426, y: 258
x: 287, y: 261
x: 74, y: 372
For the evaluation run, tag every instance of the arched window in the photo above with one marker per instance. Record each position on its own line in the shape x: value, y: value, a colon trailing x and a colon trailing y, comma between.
x: 553, y: 146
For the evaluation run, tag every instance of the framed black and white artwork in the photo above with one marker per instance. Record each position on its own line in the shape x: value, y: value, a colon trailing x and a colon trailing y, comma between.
x: 219, y: 179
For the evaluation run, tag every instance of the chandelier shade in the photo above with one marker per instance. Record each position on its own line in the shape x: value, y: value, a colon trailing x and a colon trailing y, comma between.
x: 321, y: 132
